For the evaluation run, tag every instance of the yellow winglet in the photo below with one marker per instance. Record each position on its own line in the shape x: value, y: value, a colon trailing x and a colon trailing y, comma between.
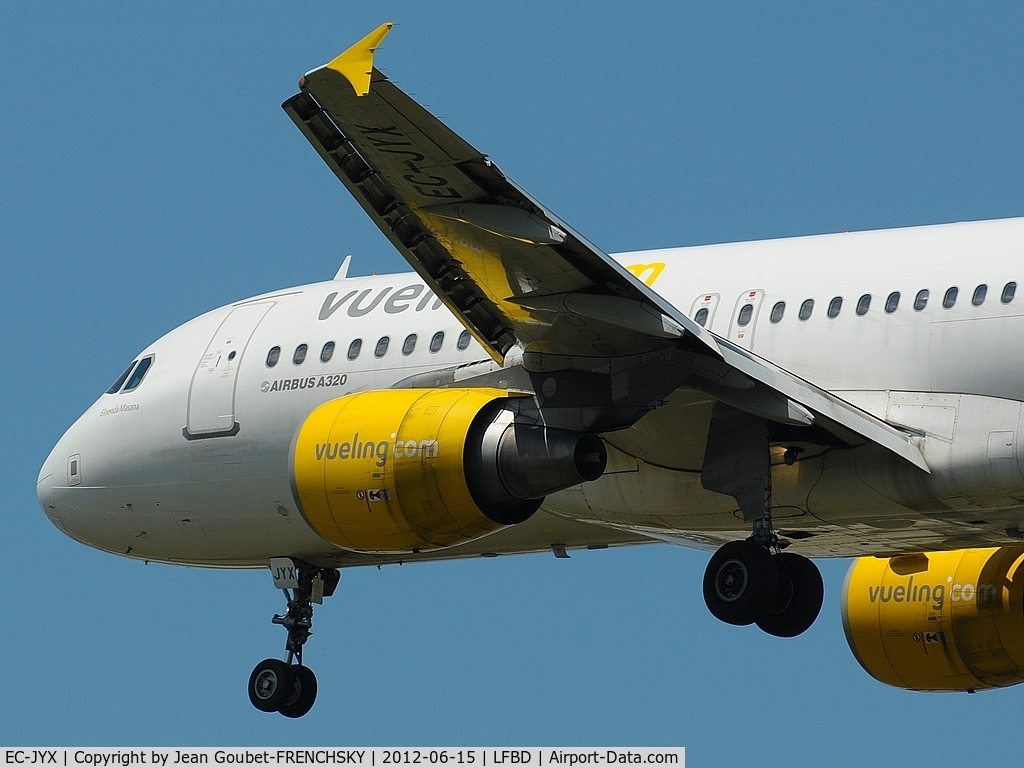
x: 356, y: 63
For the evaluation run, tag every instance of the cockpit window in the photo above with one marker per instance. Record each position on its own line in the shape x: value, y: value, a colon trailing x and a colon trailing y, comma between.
x: 121, y: 379
x: 138, y: 374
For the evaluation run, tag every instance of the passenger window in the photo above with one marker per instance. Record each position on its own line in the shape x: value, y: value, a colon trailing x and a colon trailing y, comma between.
x: 464, y: 339
x: 353, y: 349
x: 1009, y: 290
x: 776, y: 316
x: 300, y: 354
x: 137, y: 375
x: 382, y: 346
x: 950, y: 298
x: 805, y: 309
x: 273, y: 356
x: 121, y: 379
x: 979, y: 295
x: 892, y: 302
x: 864, y: 304
x: 834, y: 306
x: 327, y: 352
x: 409, y: 344
x: 746, y: 312
x: 437, y: 341
x: 701, y: 317
x: 921, y: 300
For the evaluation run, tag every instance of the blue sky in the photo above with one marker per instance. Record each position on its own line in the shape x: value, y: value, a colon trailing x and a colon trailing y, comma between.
x: 148, y: 174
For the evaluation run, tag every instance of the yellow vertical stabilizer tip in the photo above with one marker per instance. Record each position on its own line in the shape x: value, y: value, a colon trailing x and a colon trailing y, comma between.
x: 356, y: 63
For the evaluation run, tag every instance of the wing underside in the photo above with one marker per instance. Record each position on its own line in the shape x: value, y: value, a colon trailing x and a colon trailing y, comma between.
x: 521, y: 279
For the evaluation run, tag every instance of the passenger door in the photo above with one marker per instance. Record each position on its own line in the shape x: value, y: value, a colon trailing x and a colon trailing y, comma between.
x: 211, y: 398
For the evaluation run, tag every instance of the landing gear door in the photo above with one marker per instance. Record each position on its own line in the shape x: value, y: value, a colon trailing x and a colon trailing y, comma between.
x: 703, y: 309
x: 211, y: 398
x: 744, y: 318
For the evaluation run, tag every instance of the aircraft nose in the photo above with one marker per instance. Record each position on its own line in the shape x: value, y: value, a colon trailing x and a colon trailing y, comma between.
x: 83, y: 486
x: 60, y: 473
x: 44, y: 491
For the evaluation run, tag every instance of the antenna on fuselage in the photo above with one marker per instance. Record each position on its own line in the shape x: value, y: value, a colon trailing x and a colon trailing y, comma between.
x: 343, y: 269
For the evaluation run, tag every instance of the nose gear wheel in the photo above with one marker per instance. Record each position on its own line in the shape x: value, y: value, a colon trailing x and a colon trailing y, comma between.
x: 270, y: 685
x: 303, y: 694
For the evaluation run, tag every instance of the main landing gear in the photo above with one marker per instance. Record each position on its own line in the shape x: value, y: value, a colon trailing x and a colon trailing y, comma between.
x: 287, y: 686
x: 746, y: 584
x: 751, y: 581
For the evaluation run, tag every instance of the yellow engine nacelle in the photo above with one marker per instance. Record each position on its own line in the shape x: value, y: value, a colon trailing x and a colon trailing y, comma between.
x: 407, y: 470
x: 938, y: 621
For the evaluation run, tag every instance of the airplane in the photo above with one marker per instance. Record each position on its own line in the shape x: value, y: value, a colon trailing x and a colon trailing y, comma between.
x: 842, y: 395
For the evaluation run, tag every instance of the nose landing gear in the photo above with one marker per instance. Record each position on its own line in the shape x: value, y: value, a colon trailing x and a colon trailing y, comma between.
x: 288, y: 686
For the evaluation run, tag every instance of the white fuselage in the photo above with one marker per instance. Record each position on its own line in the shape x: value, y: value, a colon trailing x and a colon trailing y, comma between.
x: 162, y: 472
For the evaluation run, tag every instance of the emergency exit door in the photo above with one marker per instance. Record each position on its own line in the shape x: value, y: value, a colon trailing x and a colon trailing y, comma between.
x: 744, y: 318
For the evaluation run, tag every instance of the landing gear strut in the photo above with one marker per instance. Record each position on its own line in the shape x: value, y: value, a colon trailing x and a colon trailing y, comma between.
x: 288, y: 686
x: 751, y: 581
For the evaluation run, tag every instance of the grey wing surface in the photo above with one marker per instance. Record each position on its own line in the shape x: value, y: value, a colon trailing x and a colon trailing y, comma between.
x: 522, y: 280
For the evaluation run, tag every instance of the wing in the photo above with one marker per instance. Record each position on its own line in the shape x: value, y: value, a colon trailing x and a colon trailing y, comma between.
x: 602, y: 347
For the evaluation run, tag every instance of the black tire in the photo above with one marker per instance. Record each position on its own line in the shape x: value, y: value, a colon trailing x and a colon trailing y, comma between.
x: 303, y: 694
x: 783, y: 592
x: 270, y: 685
x: 740, y: 583
x: 808, y: 592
